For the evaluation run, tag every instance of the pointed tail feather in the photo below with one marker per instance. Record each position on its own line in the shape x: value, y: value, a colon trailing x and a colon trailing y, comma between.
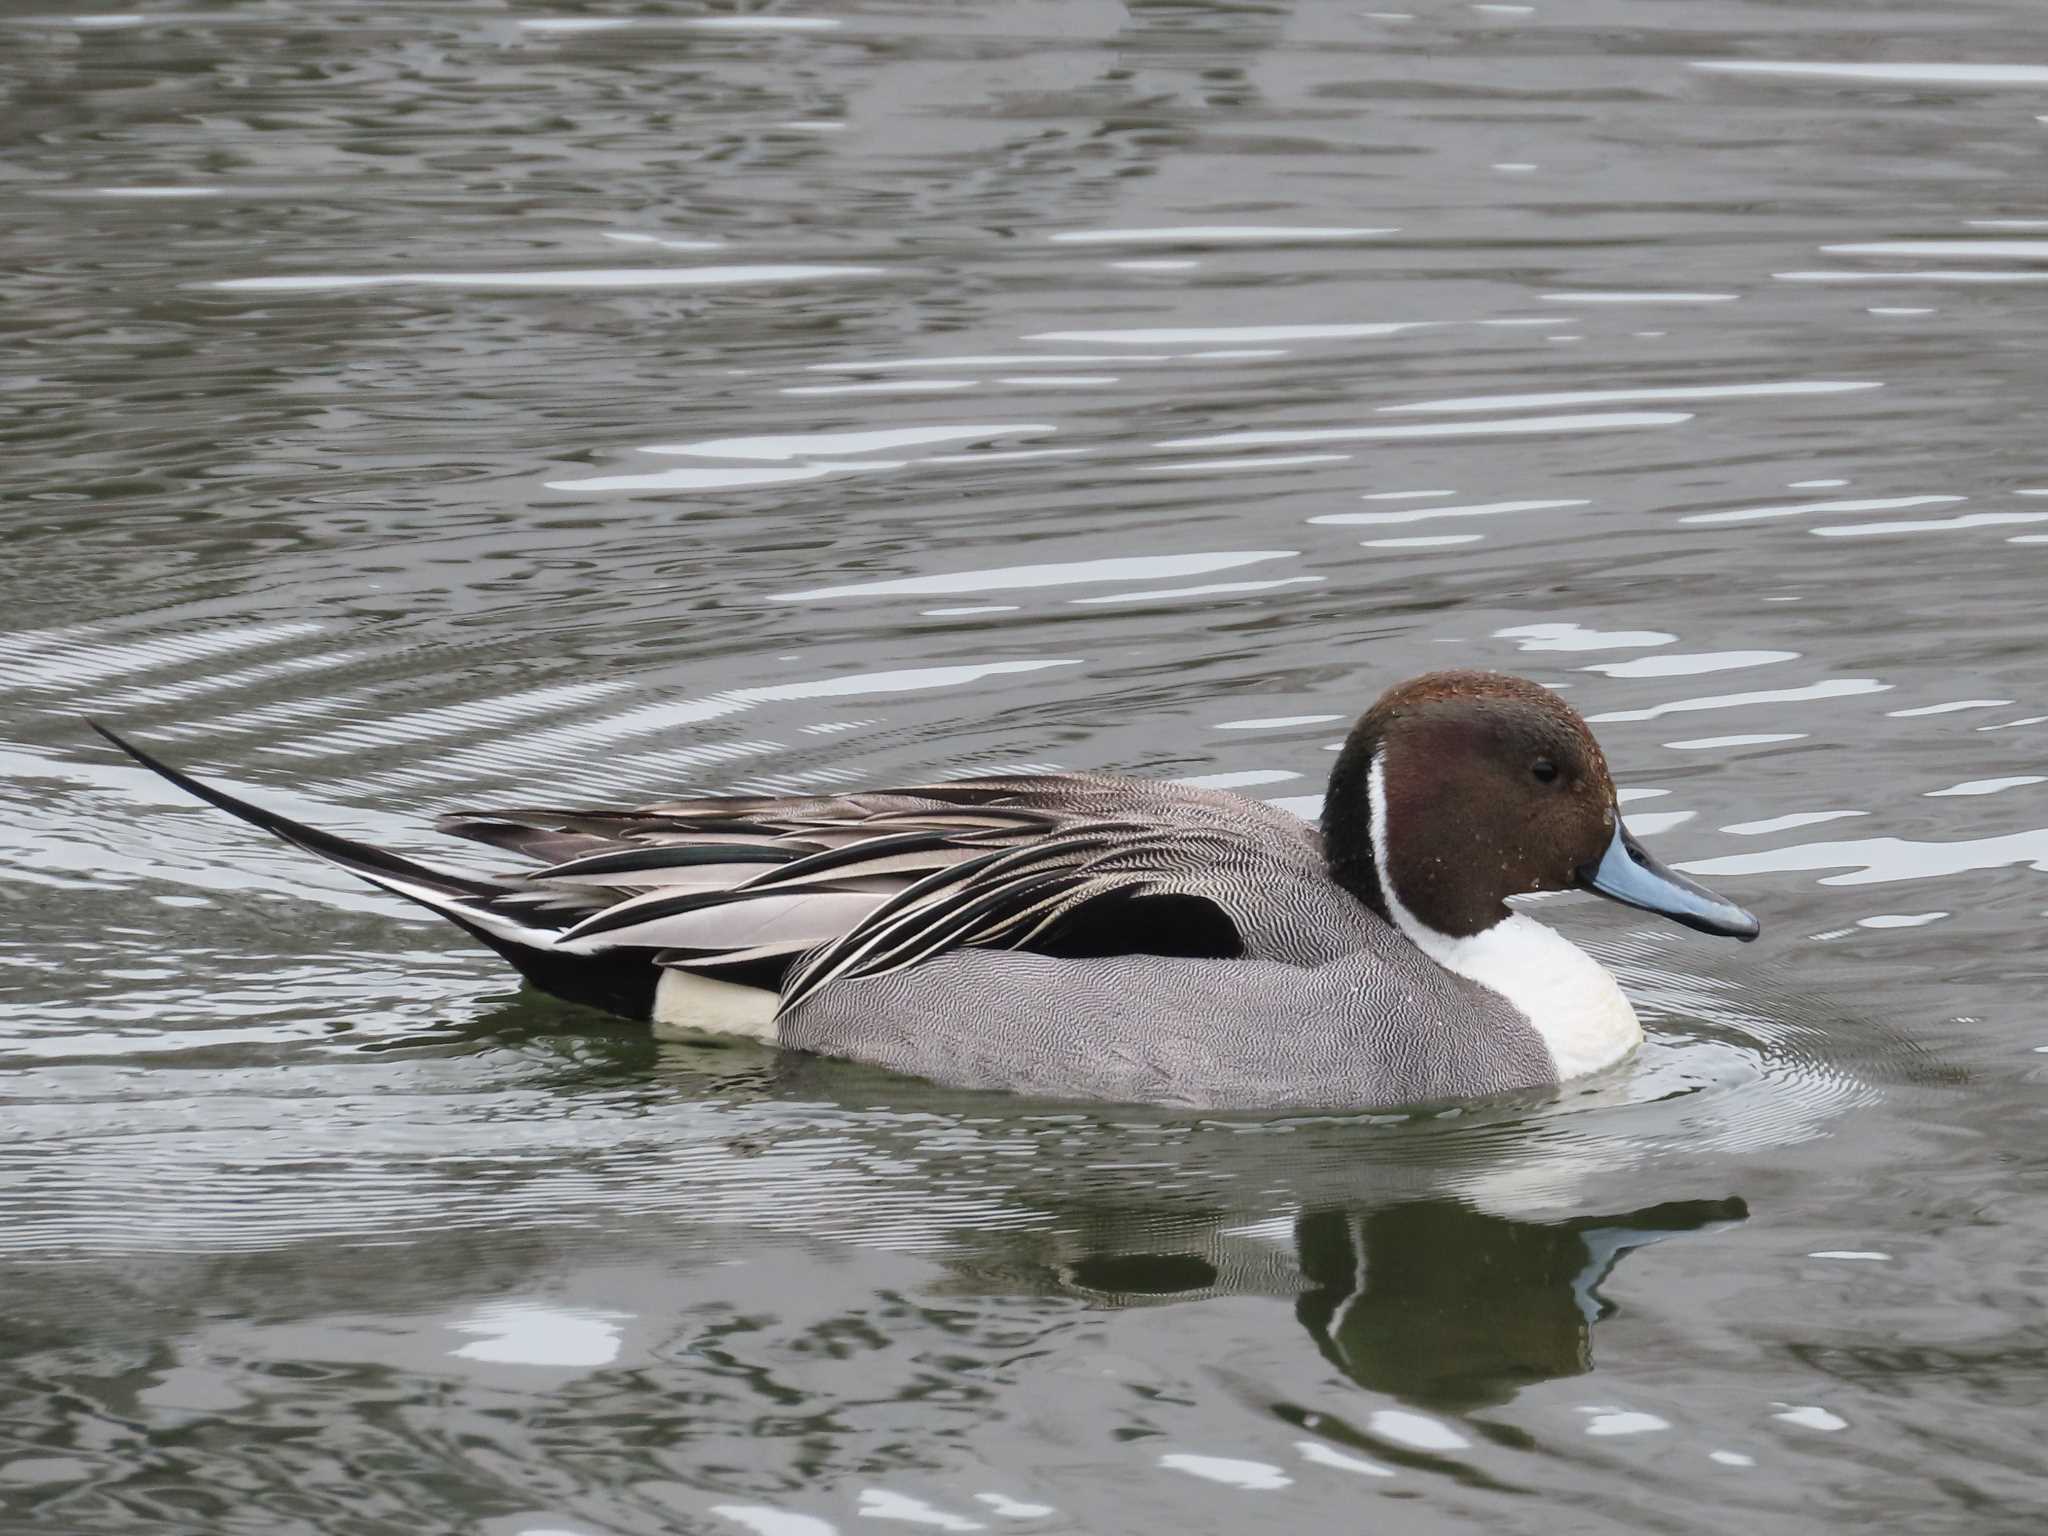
x: 433, y: 888
x: 623, y: 985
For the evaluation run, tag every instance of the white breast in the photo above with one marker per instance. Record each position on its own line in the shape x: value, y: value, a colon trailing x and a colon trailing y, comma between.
x: 1567, y: 996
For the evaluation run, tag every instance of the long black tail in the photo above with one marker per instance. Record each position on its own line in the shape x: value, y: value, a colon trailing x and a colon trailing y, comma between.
x: 432, y: 888
x: 617, y: 982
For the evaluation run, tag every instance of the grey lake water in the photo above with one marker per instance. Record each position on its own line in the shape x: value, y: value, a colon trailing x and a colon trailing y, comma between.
x: 413, y: 405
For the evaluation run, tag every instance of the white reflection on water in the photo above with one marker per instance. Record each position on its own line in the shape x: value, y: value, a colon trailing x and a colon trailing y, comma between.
x: 113, y: 19
x: 1246, y: 778
x: 1069, y: 573
x: 1014, y: 1509
x: 797, y: 445
x: 1329, y: 1456
x: 663, y: 242
x: 2032, y: 250
x: 1800, y: 509
x: 762, y: 23
x: 800, y: 456
x: 1212, y: 589
x: 1478, y: 509
x: 166, y: 192
x: 543, y: 279
x: 1003, y: 456
x: 1427, y: 541
x: 1946, y: 709
x: 1883, y: 860
x: 743, y: 23
x: 40, y: 661
x: 1900, y: 73
x: 766, y: 1520
x: 1275, y: 722
x: 1830, y: 688
x: 885, y: 1504
x: 1617, y: 396
x: 1606, y: 1422
x: 1598, y: 421
x: 497, y: 713
x: 1807, y: 1416
x: 1788, y: 822
x: 1896, y: 920
x: 1622, y: 296
x: 991, y: 360
x: 1931, y: 275
x: 1258, y: 1476
x: 575, y: 739
x: 1747, y: 739
x: 1240, y: 466
x: 1577, y: 637
x: 721, y: 479
x: 1931, y: 524
x: 1058, y: 380
x: 1418, y: 1430
x: 513, y: 1333
x: 1213, y: 234
x: 1650, y: 823
x: 1690, y: 664
x: 1987, y: 786
x: 1228, y: 335
x: 890, y: 387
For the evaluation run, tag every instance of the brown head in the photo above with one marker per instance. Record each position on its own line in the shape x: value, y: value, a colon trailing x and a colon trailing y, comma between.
x: 1458, y: 790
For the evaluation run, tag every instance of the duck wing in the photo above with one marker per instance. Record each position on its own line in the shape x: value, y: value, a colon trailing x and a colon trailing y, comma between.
x: 791, y: 893
x: 821, y: 888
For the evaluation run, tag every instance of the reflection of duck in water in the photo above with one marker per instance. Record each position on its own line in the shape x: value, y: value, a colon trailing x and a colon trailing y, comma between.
x: 1430, y: 1301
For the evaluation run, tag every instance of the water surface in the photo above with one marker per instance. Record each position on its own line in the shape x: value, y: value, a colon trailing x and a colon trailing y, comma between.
x: 417, y: 405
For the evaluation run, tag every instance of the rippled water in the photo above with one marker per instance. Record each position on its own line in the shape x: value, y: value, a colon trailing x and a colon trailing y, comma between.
x: 408, y: 405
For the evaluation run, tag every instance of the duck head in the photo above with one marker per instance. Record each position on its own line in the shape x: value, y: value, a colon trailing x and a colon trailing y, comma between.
x: 1460, y: 789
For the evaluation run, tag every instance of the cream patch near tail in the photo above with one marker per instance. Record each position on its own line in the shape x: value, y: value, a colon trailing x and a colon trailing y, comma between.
x: 687, y: 1004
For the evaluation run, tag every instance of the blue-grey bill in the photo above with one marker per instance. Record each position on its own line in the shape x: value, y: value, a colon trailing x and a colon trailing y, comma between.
x: 1628, y: 874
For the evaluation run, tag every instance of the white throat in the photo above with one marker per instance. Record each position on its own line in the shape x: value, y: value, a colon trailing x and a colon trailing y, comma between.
x: 1567, y: 996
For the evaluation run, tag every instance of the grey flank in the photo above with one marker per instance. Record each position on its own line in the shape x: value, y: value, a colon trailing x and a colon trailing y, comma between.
x: 1380, y: 1026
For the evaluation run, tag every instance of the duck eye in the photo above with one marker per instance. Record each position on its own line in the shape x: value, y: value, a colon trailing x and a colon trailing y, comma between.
x: 1545, y: 770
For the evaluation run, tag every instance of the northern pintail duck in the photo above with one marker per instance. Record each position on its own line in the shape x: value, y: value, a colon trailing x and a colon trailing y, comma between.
x: 1095, y: 936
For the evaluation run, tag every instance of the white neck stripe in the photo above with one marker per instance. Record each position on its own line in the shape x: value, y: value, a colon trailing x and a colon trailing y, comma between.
x: 1418, y: 932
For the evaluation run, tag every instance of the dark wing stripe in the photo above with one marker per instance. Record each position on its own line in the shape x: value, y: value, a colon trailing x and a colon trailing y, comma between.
x: 894, y: 870
x: 960, y: 927
x: 1048, y: 915
x: 636, y: 910
x: 916, y: 935
x: 853, y: 853
x: 937, y: 898
x: 873, y: 929
x: 639, y: 860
